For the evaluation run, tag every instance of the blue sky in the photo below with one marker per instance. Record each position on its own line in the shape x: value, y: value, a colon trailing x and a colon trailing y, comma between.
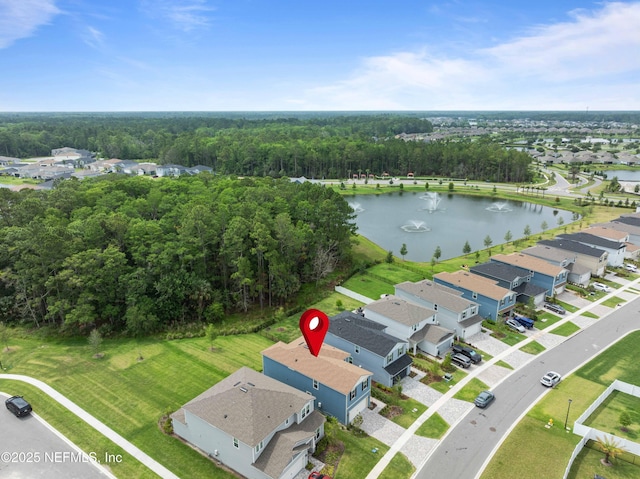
x: 246, y: 55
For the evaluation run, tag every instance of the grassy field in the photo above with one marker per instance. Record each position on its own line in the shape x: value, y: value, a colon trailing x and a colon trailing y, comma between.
x: 398, y: 467
x: 434, y: 427
x: 128, y: 394
x: 553, y: 446
x: 587, y: 464
x: 368, y: 285
x: 289, y: 328
x: 533, y: 347
x: 606, y: 417
x: 566, y: 329
x: 471, y: 390
x: 547, y: 319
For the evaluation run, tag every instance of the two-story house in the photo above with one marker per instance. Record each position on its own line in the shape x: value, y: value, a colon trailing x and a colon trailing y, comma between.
x: 409, y: 321
x: 631, y: 250
x: 453, y: 311
x: 551, y: 278
x: 257, y: 426
x: 616, y: 251
x: 340, y: 388
x: 590, y: 257
x: 494, y: 300
x: 577, y: 273
x: 514, y: 278
x: 370, y: 346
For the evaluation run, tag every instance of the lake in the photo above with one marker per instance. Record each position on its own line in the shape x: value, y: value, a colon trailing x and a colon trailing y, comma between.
x: 423, y: 222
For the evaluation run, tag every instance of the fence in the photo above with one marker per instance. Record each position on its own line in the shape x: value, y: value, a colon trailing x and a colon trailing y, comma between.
x: 589, y: 433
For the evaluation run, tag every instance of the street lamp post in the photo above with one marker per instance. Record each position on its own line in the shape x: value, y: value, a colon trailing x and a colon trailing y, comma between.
x: 567, y: 418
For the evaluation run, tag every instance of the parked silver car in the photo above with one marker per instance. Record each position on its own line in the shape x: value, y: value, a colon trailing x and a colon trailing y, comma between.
x: 515, y: 325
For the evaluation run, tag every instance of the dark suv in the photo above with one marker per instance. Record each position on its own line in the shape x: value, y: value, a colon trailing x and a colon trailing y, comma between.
x: 468, y: 352
x: 18, y: 406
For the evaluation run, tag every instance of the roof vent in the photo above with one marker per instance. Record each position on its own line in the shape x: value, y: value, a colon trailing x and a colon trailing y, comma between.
x: 237, y: 384
x: 243, y: 389
x: 251, y: 384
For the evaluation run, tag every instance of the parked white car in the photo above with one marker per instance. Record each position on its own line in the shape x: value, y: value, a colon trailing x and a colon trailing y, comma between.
x: 601, y: 287
x: 631, y: 268
x: 550, y: 379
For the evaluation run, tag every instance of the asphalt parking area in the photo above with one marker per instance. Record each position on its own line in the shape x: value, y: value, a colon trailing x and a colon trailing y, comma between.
x: 29, y: 448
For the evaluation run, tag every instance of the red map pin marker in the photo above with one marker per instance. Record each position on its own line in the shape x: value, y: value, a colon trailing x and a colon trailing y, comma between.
x: 314, y: 325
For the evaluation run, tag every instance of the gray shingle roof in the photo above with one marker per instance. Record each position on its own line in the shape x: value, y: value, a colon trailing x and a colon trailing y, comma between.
x: 247, y: 405
x: 439, y: 294
x: 282, y: 447
x: 363, y: 332
x: 589, y: 239
x: 399, y: 310
x: 529, y: 289
x: 399, y: 364
x: 501, y: 271
x: 573, y: 246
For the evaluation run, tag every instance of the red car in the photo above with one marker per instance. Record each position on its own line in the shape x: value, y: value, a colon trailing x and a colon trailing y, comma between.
x: 317, y: 475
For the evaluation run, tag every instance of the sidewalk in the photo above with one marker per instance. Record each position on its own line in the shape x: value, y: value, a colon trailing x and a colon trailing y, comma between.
x: 452, y: 411
x: 106, y: 431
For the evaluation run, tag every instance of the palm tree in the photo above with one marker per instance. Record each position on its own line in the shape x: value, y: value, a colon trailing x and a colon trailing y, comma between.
x: 610, y: 447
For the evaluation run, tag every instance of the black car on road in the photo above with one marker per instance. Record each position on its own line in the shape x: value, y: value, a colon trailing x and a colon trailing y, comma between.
x: 18, y: 406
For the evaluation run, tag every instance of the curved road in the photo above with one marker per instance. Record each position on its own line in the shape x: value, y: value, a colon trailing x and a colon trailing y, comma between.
x: 469, y: 445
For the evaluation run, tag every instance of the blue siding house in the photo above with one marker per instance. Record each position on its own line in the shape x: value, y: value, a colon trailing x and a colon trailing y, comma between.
x: 495, y: 301
x: 340, y: 388
x: 370, y: 347
x: 552, y: 278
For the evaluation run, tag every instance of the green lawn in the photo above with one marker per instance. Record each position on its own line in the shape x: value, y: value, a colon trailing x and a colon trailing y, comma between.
x: 606, y: 417
x: 549, y: 448
x: 412, y: 410
x: 502, y: 364
x: 533, y: 347
x: 547, y: 319
x: 130, y: 395
x: 289, y: 328
x: 394, y: 273
x: 358, y: 457
x: 569, y: 307
x: 589, y: 314
x: 613, y: 301
x: 399, y: 467
x: 368, y: 285
x: 434, y: 427
x: 471, y: 390
x: 587, y: 464
x: 566, y: 329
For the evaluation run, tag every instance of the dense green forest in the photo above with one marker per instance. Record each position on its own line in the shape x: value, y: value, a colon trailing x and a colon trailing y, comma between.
x: 137, y: 254
x: 323, y: 146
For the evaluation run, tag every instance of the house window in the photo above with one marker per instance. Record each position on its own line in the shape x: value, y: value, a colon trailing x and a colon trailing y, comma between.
x: 464, y: 314
x: 435, y: 307
x: 357, y: 349
x: 365, y: 384
x: 400, y: 351
x: 236, y: 444
x: 350, y: 360
x: 352, y: 395
x: 259, y: 446
x: 390, y: 357
x: 415, y: 327
x: 318, y: 433
x: 474, y: 295
x: 502, y: 302
x: 305, y: 411
x: 315, y: 384
x: 286, y: 421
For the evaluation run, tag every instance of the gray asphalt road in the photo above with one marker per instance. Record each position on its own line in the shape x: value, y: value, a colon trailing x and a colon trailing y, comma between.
x: 29, y: 450
x: 463, y: 452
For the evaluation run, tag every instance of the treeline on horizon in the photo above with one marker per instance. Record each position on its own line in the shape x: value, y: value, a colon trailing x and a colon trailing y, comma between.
x: 323, y: 146
x: 138, y: 255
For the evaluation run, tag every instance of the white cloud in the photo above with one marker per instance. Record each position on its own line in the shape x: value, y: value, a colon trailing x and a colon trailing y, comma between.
x: 21, y: 18
x: 93, y: 37
x: 185, y: 15
x: 585, y: 61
